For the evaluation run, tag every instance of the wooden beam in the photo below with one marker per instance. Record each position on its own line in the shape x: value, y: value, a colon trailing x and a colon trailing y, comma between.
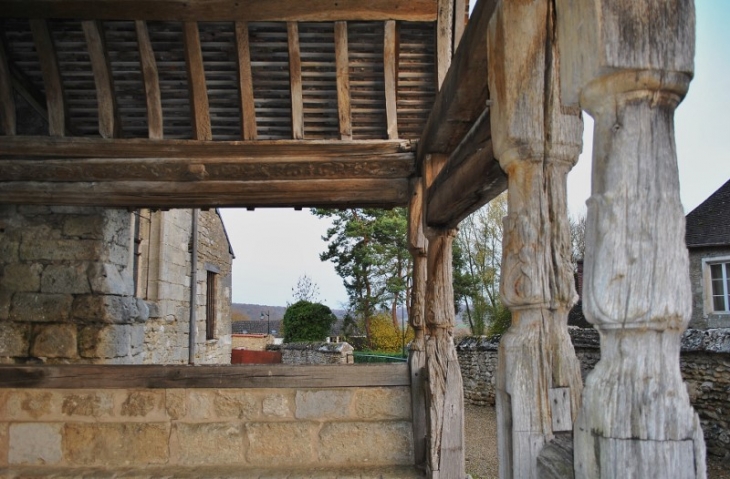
x: 390, y: 70
x: 245, y: 83
x: 461, y: 16
x: 219, y: 377
x: 7, y: 102
x: 151, y: 81
x: 342, y: 62
x: 464, y: 93
x: 295, y: 80
x: 335, y: 193
x: 109, y: 121
x: 222, y: 10
x: 444, y: 39
x: 199, y: 109
x: 56, y: 104
x: 470, y: 179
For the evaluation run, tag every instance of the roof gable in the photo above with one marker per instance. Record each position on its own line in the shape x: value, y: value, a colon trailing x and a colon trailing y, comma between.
x: 709, y: 223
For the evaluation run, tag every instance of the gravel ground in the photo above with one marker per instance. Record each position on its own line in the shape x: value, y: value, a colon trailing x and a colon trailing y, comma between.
x: 481, y: 446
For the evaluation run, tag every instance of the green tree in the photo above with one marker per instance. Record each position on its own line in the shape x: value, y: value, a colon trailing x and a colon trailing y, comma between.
x: 305, y: 321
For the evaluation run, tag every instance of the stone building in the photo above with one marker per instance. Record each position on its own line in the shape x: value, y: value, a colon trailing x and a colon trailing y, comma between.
x: 708, y: 242
x: 100, y: 285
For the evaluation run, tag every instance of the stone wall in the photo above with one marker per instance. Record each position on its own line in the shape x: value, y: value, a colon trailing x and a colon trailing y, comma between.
x: 47, y: 431
x: 252, y: 342
x: 705, y: 365
x: 314, y: 353
x: 701, y: 319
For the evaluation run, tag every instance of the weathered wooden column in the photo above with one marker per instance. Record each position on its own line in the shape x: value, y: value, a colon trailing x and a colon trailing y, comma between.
x: 631, y: 63
x: 537, y: 141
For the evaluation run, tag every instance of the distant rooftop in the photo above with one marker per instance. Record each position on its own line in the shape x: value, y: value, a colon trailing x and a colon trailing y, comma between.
x: 709, y: 223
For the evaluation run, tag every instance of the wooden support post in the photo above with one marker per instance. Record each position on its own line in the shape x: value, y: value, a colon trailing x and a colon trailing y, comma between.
x: 629, y: 68
x: 444, y: 39
x: 109, y: 121
x: 390, y: 71
x: 199, y: 108
x: 7, y: 102
x: 245, y: 82
x: 55, y: 101
x: 151, y: 81
x: 461, y: 15
x: 342, y: 62
x: 295, y: 79
x: 537, y: 140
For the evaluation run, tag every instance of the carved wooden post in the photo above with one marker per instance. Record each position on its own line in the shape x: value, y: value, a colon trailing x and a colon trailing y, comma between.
x: 631, y: 63
x: 537, y: 141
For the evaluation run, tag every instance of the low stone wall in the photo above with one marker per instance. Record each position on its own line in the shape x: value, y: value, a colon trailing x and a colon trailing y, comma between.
x: 49, y: 431
x: 705, y: 365
x: 314, y: 353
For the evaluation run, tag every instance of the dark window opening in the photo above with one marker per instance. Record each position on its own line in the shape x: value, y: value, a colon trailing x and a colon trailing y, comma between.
x: 211, y: 295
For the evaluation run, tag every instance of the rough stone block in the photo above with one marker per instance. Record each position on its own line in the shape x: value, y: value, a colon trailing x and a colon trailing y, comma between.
x: 9, y: 246
x: 200, y: 404
x: 116, y: 444
x: 90, y: 405
x: 54, y: 341
x: 21, y: 277
x: 281, y: 443
x: 40, y: 307
x: 176, y: 403
x: 3, y: 444
x: 60, y: 249
x: 374, y: 443
x: 6, y: 299
x: 329, y: 404
x: 31, y: 404
x: 230, y: 403
x: 277, y: 405
x: 143, y: 404
x: 67, y: 279
x: 105, y: 278
x: 76, y: 210
x: 207, y: 443
x: 87, y: 226
x: 108, y: 309
x: 105, y: 342
x: 14, y: 339
x: 34, y: 444
x: 383, y: 403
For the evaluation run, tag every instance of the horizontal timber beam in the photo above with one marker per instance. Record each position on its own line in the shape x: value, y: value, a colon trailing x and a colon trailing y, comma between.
x: 225, y: 376
x: 222, y: 10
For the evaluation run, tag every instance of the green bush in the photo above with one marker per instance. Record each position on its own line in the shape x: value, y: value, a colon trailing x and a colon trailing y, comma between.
x: 305, y: 321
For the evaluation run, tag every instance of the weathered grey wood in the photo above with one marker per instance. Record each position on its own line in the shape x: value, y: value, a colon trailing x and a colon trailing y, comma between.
x: 55, y: 101
x: 630, y: 70
x: 226, y: 376
x: 444, y: 39
x: 556, y: 458
x: 245, y: 83
x: 390, y: 72
x: 560, y: 409
x: 151, y: 81
x: 461, y: 9
x: 295, y: 81
x: 220, y: 10
x: 199, y: 109
x: 342, y: 65
x: 7, y: 102
x: 109, y: 121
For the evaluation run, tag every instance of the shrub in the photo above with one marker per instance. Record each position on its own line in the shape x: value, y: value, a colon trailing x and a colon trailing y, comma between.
x: 305, y: 321
x: 384, y: 336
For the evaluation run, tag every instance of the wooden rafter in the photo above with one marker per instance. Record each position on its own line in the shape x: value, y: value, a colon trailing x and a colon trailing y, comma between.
x: 199, y: 108
x: 295, y: 81
x: 7, y: 102
x: 390, y: 70
x: 342, y: 65
x: 151, y: 81
x: 220, y: 10
x: 109, y: 122
x: 55, y: 100
x: 245, y: 82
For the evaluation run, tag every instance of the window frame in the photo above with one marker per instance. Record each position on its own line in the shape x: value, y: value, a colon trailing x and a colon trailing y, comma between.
x: 211, y: 302
x: 707, y: 293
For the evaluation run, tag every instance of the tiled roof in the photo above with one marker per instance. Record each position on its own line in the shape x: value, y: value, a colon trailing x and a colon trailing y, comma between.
x: 257, y: 327
x: 709, y: 223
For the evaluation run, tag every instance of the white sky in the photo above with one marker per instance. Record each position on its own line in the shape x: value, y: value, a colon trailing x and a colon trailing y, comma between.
x: 274, y: 247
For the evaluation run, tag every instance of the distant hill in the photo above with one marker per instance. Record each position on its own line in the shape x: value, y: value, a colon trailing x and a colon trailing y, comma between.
x: 253, y: 312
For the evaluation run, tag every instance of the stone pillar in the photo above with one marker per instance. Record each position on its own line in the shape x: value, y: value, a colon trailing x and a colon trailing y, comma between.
x: 537, y: 141
x: 629, y: 64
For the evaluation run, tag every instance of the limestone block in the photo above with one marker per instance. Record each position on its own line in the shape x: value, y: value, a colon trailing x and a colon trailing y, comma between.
x: 176, y: 403
x: 9, y: 246
x: 3, y: 444
x: 200, y: 404
x: 366, y: 443
x: 115, y: 254
x: 76, y: 210
x: 21, y: 277
x: 104, y: 341
x: 329, y: 404
x: 281, y: 443
x: 109, y: 309
x: 14, y: 339
x: 148, y: 404
x: 6, y: 298
x: 230, y: 403
x: 31, y: 404
x: 54, y: 341
x: 59, y: 249
x: 88, y: 404
x: 34, y: 444
x: 40, y: 307
x: 68, y: 279
x: 383, y: 403
x: 106, y: 279
x: 87, y: 226
x: 207, y: 443
x: 115, y: 444
x: 277, y: 405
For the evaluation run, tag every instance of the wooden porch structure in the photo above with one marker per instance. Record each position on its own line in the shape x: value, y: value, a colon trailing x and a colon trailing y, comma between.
x: 286, y: 103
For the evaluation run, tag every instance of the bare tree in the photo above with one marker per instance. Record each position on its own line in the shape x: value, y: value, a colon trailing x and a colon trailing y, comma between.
x: 305, y: 290
x: 578, y: 237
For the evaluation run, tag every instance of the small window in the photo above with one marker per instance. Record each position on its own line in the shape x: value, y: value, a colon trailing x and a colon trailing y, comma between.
x: 720, y: 281
x: 211, y: 296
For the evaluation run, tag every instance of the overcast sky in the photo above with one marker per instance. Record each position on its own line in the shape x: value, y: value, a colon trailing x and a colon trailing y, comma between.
x: 274, y: 247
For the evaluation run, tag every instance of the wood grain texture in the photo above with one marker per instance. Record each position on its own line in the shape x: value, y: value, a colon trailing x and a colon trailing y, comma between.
x: 295, y: 81
x: 109, y: 122
x: 221, y: 10
x: 245, y: 82
x: 461, y: 17
x: 390, y: 72
x: 199, y: 107
x: 444, y: 39
x: 151, y: 81
x: 220, y: 377
x: 7, y: 102
x: 342, y: 65
x: 417, y: 366
x: 55, y: 100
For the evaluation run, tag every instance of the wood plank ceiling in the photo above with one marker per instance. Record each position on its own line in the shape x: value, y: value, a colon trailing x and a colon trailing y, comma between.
x: 134, y: 103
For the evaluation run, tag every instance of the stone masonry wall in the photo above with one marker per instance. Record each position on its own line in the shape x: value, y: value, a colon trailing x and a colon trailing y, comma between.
x: 314, y: 353
x: 52, y: 430
x: 700, y: 320
x: 705, y: 365
x: 66, y: 287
